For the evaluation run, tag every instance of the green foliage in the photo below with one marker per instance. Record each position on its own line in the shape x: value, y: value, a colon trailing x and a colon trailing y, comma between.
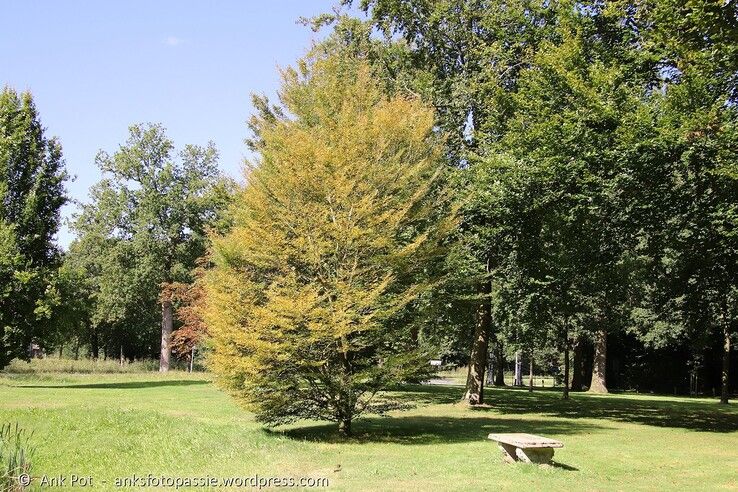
x: 32, y: 180
x: 596, y: 147
x: 311, y: 300
x: 144, y: 228
x: 466, y: 58
x: 687, y: 250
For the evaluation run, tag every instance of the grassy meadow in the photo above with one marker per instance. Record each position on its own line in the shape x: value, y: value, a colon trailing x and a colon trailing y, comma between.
x: 179, y: 424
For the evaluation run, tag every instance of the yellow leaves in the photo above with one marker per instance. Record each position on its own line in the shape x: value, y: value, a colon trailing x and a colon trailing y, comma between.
x: 320, y: 255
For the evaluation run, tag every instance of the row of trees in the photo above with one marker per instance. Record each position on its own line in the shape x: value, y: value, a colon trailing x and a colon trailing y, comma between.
x: 138, y: 241
x: 596, y: 158
x: 461, y: 178
x: 589, y: 148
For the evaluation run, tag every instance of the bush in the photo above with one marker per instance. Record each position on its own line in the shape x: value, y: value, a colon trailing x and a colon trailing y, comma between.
x: 15, y: 456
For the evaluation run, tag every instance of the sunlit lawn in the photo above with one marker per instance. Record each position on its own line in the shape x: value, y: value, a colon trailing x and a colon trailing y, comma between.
x: 110, y: 426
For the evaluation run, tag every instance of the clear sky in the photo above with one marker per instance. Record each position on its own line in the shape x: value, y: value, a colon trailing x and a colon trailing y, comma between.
x: 95, y: 67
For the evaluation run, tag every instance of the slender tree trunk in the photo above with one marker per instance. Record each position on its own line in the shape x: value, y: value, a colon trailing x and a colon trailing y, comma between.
x: 192, y: 358
x: 599, y: 364
x: 530, y: 375
x: 414, y: 335
x: 76, y: 350
x: 725, y: 393
x: 489, y: 376
x: 166, y: 335
x: 61, y: 350
x: 95, y: 349
x: 576, y: 365
x: 122, y: 359
x: 566, y: 361
x: 474, y: 394
x: 499, y: 364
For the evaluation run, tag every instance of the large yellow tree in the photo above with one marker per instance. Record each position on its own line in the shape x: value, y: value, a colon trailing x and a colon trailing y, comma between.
x: 310, y: 301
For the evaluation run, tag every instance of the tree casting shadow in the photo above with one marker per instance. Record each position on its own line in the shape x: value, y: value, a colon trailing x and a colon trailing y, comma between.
x: 420, y: 429
x: 655, y: 411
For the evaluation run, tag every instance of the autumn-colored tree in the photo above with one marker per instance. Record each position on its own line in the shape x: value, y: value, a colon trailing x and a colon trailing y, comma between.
x: 187, y: 297
x: 330, y: 245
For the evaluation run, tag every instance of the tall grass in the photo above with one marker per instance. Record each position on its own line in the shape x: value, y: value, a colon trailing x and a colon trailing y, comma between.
x: 50, y: 365
x: 15, y: 456
x: 458, y: 376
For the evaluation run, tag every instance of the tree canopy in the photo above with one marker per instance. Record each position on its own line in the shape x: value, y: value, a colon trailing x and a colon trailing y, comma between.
x: 32, y: 177
x: 145, y: 228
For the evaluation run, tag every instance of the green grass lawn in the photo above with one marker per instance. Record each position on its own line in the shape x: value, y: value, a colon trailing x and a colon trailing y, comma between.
x: 116, y: 425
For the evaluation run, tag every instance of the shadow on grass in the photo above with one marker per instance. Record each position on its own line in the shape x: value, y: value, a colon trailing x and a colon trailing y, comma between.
x: 420, y: 429
x: 655, y: 411
x: 120, y: 385
x: 702, y: 416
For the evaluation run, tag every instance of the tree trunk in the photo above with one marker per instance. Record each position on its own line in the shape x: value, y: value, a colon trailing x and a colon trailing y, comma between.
x: 577, y: 379
x: 490, y: 374
x: 566, y: 367
x: 95, y: 345
x: 344, y: 426
x: 518, y: 380
x: 599, y: 364
x: 122, y: 359
x: 474, y: 394
x: 530, y: 375
x: 725, y: 393
x: 166, y: 334
x: 499, y: 365
x: 61, y: 350
x: 76, y: 350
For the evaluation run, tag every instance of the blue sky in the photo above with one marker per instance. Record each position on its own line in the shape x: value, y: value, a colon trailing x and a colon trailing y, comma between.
x: 94, y: 68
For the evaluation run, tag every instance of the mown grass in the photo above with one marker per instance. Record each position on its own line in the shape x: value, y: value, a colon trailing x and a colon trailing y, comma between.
x: 179, y: 424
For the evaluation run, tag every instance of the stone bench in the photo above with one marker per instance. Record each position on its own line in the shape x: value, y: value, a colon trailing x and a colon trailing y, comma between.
x: 526, y: 447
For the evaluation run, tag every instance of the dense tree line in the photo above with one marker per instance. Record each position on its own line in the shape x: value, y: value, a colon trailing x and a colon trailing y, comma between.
x: 595, y: 143
x: 140, y: 236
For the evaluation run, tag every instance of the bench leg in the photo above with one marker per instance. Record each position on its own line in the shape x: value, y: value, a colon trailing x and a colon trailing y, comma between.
x: 508, y: 452
x: 535, y: 455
